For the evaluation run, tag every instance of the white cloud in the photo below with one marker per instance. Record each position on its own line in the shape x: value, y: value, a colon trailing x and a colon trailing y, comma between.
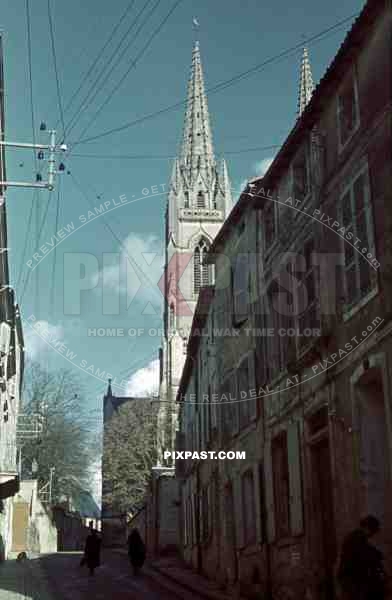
x: 39, y: 336
x: 138, y: 271
x: 145, y: 381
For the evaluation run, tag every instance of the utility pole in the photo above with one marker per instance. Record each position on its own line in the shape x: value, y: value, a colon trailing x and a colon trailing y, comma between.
x: 52, y: 148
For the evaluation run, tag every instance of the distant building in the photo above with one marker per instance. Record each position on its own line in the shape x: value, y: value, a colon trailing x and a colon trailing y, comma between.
x: 297, y: 330
x: 11, y: 364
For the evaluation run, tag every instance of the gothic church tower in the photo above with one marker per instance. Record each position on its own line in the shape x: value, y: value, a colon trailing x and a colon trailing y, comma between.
x: 199, y: 200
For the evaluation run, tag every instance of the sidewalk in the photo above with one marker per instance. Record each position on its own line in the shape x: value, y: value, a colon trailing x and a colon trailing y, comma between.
x: 172, y: 572
x: 173, y: 569
x: 23, y: 580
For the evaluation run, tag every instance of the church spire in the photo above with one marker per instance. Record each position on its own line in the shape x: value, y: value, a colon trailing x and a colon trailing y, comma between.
x: 197, y: 150
x: 306, y: 85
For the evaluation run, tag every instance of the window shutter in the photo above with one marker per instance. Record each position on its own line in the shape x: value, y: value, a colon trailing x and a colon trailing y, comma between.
x: 257, y: 477
x: 269, y: 492
x: 239, y: 520
x: 294, y: 458
x: 235, y: 406
x: 252, y: 386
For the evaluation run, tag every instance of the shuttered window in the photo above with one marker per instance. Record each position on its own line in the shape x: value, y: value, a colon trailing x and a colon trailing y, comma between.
x: 295, y: 479
x: 281, y: 487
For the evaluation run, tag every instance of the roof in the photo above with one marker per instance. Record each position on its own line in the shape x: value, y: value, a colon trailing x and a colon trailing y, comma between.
x: 205, y: 298
x: 350, y: 47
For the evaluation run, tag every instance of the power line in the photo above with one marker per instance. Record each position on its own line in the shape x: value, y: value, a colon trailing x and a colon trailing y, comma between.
x: 53, y: 283
x: 39, y: 233
x: 134, y: 62
x: 100, y: 54
x: 55, y: 68
x: 170, y: 156
x: 105, y: 72
x: 222, y: 85
x: 133, y: 262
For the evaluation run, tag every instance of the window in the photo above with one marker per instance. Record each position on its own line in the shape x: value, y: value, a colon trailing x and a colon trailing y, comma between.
x: 348, y: 111
x: 243, y: 393
x: 201, y: 274
x: 307, y: 303
x: 356, y: 218
x: 184, y: 345
x: 201, y: 199
x: 249, y: 508
x: 300, y: 174
x: 171, y: 319
x: 280, y: 471
x: 240, y: 288
x: 269, y: 222
x: 186, y: 200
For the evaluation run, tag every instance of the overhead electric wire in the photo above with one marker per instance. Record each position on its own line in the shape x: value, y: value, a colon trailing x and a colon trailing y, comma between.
x: 134, y: 62
x: 135, y: 265
x: 56, y: 227
x: 106, y: 71
x: 222, y: 85
x: 37, y: 244
x: 170, y: 156
x: 59, y: 98
x: 34, y: 198
x: 99, y: 55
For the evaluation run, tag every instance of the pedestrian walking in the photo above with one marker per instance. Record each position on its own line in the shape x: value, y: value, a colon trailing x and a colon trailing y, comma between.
x: 92, y: 551
x: 136, y: 551
x: 361, y: 573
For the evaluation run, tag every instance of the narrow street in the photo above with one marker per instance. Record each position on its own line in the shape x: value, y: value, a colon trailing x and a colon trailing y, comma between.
x: 69, y: 581
x: 60, y: 577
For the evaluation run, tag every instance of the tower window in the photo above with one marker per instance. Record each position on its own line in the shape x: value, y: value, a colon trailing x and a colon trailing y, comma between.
x: 171, y: 318
x: 186, y: 199
x: 201, y: 273
x: 201, y: 200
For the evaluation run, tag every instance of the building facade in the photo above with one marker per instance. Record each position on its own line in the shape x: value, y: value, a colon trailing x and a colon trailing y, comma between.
x: 290, y: 353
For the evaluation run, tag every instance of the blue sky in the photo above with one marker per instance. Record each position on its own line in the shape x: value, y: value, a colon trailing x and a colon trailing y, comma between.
x: 255, y: 112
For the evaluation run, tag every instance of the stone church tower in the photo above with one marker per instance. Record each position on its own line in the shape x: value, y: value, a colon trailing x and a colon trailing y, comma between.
x: 199, y: 200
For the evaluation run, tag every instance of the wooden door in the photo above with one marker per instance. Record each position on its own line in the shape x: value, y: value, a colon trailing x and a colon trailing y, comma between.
x: 20, y: 523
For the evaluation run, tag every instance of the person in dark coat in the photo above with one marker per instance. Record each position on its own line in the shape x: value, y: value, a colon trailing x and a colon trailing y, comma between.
x: 136, y: 551
x: 361, y: 573
x: 92, y: 551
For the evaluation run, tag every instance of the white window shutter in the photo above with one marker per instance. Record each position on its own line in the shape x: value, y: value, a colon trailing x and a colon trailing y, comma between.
x: 269, y: 492
x: 239, y: 521
x: 294, y: 459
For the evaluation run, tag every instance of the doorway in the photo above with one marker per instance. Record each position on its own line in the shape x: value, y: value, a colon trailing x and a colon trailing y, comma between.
x: 374, y: 460
x: 20, y: 523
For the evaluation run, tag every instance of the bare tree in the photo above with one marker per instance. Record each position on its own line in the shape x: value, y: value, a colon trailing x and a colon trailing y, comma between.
x: 67, y: 443
x: 129, y: 454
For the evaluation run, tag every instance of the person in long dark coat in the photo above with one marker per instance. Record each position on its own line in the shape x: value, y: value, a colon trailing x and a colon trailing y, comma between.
x: 136, y: 551
x: 361, y: 573
x: 92, y: 551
